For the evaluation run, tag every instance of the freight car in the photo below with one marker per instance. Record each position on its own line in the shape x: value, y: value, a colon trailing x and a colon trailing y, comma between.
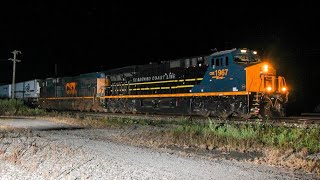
x: 5, y: 91
x: 28, y: 91
x: 227, y: 83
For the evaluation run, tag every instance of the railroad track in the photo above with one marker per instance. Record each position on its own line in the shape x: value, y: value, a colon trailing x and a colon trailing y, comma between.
x: 309, y: 119
x: 303, y: 119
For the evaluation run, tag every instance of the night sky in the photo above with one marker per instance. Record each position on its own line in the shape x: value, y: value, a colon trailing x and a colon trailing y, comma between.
x: 83, y: 37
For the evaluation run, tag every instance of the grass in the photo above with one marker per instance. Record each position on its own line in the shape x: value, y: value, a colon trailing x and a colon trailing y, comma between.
x: 291, y: 147
x: 10, y: 107
x: 244, y: 136
x: 249, y: 136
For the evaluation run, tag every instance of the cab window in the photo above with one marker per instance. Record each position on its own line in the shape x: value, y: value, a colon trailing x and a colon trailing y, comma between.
x: 217, y: 62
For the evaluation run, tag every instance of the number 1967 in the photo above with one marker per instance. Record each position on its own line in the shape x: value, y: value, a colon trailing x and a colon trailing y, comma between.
x: 219, y: 74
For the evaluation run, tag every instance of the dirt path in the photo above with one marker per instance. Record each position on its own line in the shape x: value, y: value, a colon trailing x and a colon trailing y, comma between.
x: 34, y: 124
x: 71, y: 153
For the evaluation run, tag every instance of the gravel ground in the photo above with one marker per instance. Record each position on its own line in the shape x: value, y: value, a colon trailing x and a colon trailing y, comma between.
x: 92, y: 154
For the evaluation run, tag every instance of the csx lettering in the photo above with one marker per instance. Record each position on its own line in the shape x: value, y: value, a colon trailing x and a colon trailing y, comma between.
x: 71, y: 88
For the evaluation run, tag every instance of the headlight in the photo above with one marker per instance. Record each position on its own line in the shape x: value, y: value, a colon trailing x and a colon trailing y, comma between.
x: 269, y: 88
x: 265, y: 68
x: 243, y: 50
x: 284, y: 89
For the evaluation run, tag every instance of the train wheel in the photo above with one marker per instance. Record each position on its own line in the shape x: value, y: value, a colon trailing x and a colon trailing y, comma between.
x: 205, y: 113
x: 279, y: 110
x: 282, y: 113
x: 245, y: 116
x: 225, y: 115
x: 266, y: 110
x: 81, y: 107
x: 113, y: 110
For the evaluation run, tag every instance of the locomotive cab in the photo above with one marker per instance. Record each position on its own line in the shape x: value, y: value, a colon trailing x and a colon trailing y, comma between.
x: 253, y: 85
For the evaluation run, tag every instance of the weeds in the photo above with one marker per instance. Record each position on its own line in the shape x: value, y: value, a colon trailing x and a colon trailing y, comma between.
x: 253, y: 135
x: 11, y: 107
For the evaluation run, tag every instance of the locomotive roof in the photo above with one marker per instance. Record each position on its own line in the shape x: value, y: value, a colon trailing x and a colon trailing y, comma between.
x: 219, y: 53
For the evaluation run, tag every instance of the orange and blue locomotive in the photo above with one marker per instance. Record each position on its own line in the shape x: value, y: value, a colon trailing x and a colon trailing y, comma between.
x: 227, y: 83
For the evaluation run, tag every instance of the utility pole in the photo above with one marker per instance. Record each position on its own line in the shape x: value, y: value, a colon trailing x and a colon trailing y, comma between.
x: 15, y: 52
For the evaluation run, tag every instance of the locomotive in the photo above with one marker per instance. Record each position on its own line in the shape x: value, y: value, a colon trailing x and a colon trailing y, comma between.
x: 228, y: 83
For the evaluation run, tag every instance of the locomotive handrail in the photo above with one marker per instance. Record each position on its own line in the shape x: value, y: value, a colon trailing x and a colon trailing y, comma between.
x: 179, y: 95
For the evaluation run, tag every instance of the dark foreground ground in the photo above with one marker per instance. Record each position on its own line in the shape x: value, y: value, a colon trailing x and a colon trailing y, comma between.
x: 42, y: 149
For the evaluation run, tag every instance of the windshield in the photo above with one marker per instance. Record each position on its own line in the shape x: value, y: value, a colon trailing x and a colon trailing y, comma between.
x: 246, y: 56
